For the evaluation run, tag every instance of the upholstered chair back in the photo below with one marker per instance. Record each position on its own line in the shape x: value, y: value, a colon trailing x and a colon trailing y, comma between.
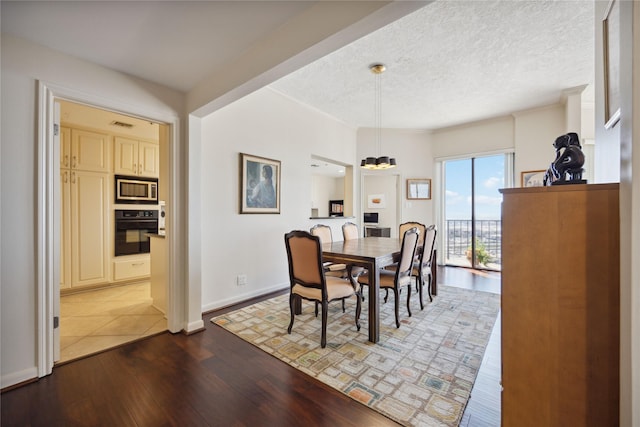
x: 323, y: 232
x: 349, y: 231
x: 407, y: 225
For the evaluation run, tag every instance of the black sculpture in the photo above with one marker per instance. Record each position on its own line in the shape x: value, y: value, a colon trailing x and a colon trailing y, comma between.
x: 568, y: 162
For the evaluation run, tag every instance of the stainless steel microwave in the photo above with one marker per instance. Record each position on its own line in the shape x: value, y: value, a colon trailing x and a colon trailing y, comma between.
x: 135, y: 189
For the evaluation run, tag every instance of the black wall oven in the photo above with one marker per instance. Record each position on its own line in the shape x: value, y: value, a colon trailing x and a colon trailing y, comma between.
x: 132, y: 227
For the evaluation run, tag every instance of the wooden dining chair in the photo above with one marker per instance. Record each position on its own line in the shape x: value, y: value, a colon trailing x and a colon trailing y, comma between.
x: 401, y: 277
x: 401, y: 229
x: 422, y: 268
x: 407, y: 225
x: 309, y: 281
x: 350, y: 231
x: 324, y: 233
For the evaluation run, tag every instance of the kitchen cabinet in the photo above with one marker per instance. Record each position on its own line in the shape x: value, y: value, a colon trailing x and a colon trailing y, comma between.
x: 560, y: 305
x: 131, y: 267
x: 84, y: 228
x: 84, y: 191
x: 136, y: 158
x: 159, y: 272
x: 84, y: 150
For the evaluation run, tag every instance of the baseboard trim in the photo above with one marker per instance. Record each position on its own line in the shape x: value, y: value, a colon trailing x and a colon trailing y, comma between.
x: 243, y: 297
x: 18, y: 379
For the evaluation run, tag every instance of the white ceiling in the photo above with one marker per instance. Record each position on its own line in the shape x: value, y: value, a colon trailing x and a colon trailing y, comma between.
x: 450, y: 62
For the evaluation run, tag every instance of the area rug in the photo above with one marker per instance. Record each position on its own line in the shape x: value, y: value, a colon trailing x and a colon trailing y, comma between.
x: 418, y: 375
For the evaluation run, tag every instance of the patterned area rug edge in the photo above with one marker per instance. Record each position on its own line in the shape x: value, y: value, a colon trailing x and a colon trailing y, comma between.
x: 419, y: 374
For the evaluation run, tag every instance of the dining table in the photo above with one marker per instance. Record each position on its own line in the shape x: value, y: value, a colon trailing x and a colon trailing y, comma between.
x: 372, y: 253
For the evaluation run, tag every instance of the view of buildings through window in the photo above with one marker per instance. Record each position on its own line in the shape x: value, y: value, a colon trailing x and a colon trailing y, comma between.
x: 472, y: 218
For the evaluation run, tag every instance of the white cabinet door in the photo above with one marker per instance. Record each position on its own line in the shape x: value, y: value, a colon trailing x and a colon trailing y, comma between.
x: 137, y: 158
x: 65, y: 147
x: 126, y: 156
x: 149, y: 159
x: 65, y: 229
x: 90, y: 151
x: 89, y: 228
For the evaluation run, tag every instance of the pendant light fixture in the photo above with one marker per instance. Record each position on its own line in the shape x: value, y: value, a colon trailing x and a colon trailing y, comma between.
x: 380, y: 162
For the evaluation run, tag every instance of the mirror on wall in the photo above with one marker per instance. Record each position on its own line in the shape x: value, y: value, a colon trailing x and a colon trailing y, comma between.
x: 328, y: 188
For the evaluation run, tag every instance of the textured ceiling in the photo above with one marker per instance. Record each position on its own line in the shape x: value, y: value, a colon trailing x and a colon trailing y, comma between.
x: 450, y: 62
x: 453, y: 62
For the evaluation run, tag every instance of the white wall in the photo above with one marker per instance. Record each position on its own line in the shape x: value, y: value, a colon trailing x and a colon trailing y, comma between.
x: 386, y: 186
x: 270, y: 125
x: 535, y: 131
x: 23, y: 64
x: 478, y: 137
x: 628, y: 130
x: 412, y: 150
x: 529, y: 133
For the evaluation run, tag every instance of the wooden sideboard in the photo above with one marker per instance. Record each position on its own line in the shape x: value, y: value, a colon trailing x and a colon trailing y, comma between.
x: 560, y: 305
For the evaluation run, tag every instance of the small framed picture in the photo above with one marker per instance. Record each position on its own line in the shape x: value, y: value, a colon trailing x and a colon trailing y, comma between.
x: 376, y: 201
x: 419, y: 189
x: 532, y: 178
x: 259, y: 185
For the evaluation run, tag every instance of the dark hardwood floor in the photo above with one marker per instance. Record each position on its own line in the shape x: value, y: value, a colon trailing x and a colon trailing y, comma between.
x: 211, y: 378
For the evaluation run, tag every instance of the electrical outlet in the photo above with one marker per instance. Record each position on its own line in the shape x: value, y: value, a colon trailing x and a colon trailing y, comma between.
x: 241, y: 280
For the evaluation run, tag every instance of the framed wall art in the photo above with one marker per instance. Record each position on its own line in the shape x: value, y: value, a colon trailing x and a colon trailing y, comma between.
x: 259, y: 185
x: 532, y: 178
x: 419, y: 189
x: 376, y: 201
x: 611, y: 61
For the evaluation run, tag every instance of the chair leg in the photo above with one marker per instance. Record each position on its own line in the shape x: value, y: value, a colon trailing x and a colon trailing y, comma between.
x: 291, y: 308
x: 396, y: 300
x: 386, y: 294
x: 409, y: 299
x: 429, y: 287
x: 358, y: 308
x: 316, y: 308
x: 325, y: 312
x: 420, y: 285
x: 343, y: 310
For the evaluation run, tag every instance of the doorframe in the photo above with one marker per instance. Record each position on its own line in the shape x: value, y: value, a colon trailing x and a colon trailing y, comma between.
x: 397, y: 199
x: 440, y: 188
x: 48, y: 211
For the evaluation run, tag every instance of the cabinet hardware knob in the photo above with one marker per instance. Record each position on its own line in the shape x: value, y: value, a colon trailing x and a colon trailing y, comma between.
x: 74, y: 162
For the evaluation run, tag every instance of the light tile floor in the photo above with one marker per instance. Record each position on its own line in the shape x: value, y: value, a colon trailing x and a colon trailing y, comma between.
x: 93, y: 321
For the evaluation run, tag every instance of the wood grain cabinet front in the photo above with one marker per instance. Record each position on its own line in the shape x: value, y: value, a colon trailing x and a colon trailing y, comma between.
x: 560, y: 306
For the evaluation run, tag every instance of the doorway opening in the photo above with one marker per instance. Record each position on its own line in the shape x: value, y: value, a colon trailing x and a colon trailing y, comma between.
x: 472, y: 210
x: 380, y: 199
x: 106, y: 296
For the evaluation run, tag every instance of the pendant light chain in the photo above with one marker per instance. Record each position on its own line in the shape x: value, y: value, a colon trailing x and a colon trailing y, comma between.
x: 378, y: 102
x: 378, y: 162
